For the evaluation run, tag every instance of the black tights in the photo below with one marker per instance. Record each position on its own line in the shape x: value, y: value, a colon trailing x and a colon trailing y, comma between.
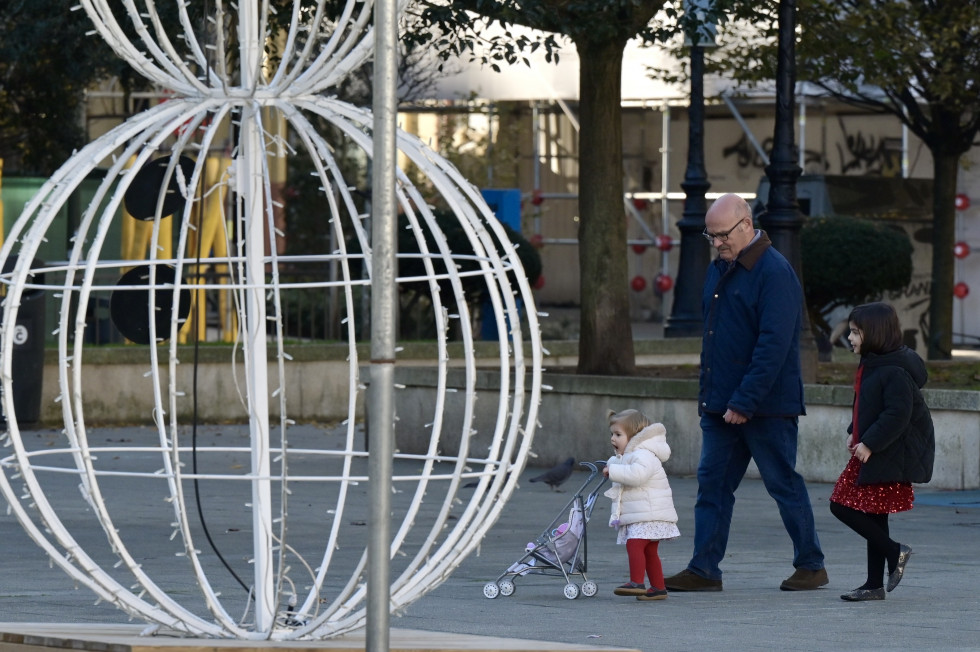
x: 874, y: 528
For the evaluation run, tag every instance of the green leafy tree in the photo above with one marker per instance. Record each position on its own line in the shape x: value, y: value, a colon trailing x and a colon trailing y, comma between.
x: 46, y: 64
x: 49, y: 58
x: 599, y: 30
x: 918, y: 60
x: 849, y: 261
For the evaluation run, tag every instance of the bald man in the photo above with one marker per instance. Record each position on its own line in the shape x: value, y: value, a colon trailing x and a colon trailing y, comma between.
x: 750, y: 398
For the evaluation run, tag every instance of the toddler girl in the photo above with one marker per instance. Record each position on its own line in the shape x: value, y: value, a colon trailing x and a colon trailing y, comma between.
x: 642, y: 503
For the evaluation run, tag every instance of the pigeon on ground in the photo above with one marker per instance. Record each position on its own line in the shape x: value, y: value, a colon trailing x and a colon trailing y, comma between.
x: 557, y: 474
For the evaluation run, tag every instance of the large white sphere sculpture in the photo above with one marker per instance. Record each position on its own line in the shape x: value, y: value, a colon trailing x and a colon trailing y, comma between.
x: 298, y: 589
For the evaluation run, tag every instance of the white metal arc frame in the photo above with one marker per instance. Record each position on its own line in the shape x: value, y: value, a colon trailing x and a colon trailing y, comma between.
x: 208, y: 97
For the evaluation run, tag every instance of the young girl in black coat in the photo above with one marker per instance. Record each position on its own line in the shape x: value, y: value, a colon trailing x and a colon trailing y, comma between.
x: 892, y: 444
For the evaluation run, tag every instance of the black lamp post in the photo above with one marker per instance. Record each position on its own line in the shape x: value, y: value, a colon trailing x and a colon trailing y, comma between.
x: 782, y: 219
x: 685, y: 315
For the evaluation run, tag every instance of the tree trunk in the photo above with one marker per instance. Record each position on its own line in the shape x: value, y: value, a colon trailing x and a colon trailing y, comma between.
x: 606, y: 337
x: 940, y: 335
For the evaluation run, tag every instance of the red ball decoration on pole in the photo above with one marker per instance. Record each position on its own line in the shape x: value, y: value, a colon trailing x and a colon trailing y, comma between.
x: 962, y: 202
x: 537, y: 240
x: 639, y: 248
x: 536, y: 197
x: 638, y: 283
x: 664, y: 242
x: 961, y: 249
x: 960, y: 290
x: 663, y: 283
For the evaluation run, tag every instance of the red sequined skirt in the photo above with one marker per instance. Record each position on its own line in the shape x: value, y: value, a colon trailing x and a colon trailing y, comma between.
x: 884, y: 498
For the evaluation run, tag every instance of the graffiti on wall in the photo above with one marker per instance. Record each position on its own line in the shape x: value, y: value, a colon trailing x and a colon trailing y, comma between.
x: 912, y: 304
x: 857, y: 153
x: 867, y: 154
x: 746, y: 156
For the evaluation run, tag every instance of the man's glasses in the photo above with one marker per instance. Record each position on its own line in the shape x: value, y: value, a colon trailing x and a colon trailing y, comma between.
x: 723, y: 236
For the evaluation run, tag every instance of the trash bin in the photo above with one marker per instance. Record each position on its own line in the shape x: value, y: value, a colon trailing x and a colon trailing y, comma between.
x: 28, y: 353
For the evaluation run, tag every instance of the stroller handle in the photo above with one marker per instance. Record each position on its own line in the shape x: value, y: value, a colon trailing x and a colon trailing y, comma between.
x: 593, y: 466
x: 594, y: 472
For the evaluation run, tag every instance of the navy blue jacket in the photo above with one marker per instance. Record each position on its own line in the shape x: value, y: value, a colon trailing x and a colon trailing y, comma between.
x: 750, y: 353
x: 893, y: 419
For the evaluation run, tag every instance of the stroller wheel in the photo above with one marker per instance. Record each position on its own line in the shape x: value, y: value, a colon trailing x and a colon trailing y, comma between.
x: 491, y: 590
x: 506, y: 587
x: 571, y: 591
x: 589, y: 589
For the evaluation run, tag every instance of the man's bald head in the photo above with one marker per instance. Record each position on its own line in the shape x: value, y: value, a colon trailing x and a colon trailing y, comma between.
x: 729, y: 220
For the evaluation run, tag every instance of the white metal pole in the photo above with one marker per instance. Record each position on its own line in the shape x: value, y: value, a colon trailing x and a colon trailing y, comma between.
x: 905, y: 151
x: 802, y: 137
x: 536, y: 156
x: 665, y: 169
x: 251, y: 185
x: 383, y: 297
x: 257, y: 370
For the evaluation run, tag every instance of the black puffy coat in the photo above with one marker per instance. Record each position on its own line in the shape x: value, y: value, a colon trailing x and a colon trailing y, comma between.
x: 894, y: 421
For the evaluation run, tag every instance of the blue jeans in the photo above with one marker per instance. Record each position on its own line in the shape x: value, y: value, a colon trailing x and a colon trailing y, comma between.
x: 725, y: 453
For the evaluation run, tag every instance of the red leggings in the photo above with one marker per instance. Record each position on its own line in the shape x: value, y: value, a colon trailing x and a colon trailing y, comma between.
x: 643, y: 558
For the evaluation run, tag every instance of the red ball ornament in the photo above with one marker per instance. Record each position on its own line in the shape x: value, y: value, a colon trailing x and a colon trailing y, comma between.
x: 639, y: 284
x: 664, y: 242
x: 961, y: 250
x: 639, y: 248
x: 537, y: 240
x: 640, y: 204
x: 962, y: 202
x: 663, y: 283
x: 538, y: 284
x: 536, y: 197
x: 960, y: 290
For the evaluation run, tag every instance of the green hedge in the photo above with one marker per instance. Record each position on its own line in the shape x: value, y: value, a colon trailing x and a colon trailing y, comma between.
x: 848, y: 261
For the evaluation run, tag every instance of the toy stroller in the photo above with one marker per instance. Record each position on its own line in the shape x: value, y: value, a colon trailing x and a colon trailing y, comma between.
x: 562, y: 549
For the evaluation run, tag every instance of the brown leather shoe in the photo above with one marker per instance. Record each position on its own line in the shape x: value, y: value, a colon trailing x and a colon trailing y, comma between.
x: 805, y: 580
x: 687, y: 580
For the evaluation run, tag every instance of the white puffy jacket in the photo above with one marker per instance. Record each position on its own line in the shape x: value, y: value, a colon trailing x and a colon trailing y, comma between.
x: 640, y: 490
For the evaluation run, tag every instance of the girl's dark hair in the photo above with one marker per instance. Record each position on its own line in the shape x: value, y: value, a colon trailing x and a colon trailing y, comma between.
x: 880, y: 330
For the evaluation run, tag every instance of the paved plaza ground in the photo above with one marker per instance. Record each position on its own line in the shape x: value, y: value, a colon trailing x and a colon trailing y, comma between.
x: 935, y: 608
